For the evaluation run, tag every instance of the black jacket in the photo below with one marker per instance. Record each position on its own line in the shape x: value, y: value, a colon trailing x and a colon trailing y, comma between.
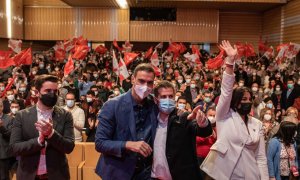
x: 24, y: 143
x: 181, y: 146
x: 5, y: 131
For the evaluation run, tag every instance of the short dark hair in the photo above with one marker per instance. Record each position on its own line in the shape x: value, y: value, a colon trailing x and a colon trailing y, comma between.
x: 163, y: 84
x: 237, y: 97
x: 90, y: 92
x: 71, y: 94
x: 286, y: 132
x: 182, y: 97
x: 40, y: 80
x: 143, y: 67
x: 15, y: 102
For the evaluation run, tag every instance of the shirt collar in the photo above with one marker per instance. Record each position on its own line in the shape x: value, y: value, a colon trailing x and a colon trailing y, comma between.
x: 44, y: 111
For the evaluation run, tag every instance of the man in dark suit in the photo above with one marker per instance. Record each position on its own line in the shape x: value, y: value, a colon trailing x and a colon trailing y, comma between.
x: 6, y: 159
x: 42, y: 135
x: 175, y: 141
x: 7, y: 102
x: 126, y: 131
x: 290, y: 94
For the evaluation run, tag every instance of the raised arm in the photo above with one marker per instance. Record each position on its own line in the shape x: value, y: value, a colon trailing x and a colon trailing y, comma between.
x: 228, y: 79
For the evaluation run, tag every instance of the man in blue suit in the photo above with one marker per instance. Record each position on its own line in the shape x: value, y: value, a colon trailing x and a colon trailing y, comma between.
x: 126, y: 130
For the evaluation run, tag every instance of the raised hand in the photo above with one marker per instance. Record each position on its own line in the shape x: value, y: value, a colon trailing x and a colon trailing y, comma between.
x: 230, y: 51
x: 199, y: 116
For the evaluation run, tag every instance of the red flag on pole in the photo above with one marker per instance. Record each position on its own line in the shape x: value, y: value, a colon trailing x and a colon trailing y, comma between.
x: 101, y: 49
x: 69, y: 67
x: 9, y: 85
x: 80, y: 52
x: 182, y: 48
x: 116, y: 45
x: 129, y: 57
x: 60, y: 54
x: 24, y: 57
x: 123, y: 72
x: 149, y: 52
x: 5, y: 60
x: 159, y: 45
x: 156, y: 70
x: 216, y: 62
x: 249, y: 50
x: 154, y: 58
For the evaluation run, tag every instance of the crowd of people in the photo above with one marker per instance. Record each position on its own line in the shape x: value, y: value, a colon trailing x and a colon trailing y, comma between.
x: 239, y: 121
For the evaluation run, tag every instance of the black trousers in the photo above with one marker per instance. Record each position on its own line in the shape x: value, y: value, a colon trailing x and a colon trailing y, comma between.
x: 5, y: 166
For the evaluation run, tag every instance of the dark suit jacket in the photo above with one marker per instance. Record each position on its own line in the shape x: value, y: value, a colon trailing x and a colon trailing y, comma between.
x: 288, y: 102
x: 24, y: 143
x: 6, y: 106
x: 5, y: 131
x: 116, y: 126
x: 181, y: 146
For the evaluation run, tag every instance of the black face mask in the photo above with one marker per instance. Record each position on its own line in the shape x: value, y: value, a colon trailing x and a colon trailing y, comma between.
x: 245, y: 108
x: 49, y: 99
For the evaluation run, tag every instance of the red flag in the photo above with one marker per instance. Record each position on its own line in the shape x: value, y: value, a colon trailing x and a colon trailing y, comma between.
x: 249, y: 50
x: 154, y: 58
x: 24, y: 57
x: 159, y: 45
x: 9, y: 85
x: 216, y: 62
x: 129, y: 57
x: 174, y: 47
x: 195, y: 50
x: 262, y: 46
x: 60, y: 54
x: 149, y: 52
x: 116, y: 45
x: 81, y: 41
x: 240, y: 48
x: 15, y: 45
x: 269, y: 53
x: 101, y: 49
x: 182, y: 48
x: 156, y: 70
x: 69, y: 67
x: 127, y: 46
x: 115, y: 63
x: 5, y: 60
x: 292, y: 50
x: 80, y: 52
x: 123, y: 72
x: 70, y: 45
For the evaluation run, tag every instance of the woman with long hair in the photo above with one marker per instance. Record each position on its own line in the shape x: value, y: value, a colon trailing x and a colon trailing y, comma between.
x: 282, y: 156
x: 239, y: 152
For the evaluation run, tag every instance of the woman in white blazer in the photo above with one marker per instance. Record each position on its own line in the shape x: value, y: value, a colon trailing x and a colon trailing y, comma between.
x: 239, y: 152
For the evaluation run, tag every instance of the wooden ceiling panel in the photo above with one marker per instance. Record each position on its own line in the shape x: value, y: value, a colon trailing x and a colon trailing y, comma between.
x: 44, y: 3
x: 225, y: 5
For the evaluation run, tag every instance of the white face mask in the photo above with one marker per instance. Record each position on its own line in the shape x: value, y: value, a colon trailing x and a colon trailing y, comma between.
x: 179, y: 81
x: 11, y: 97
x: 188, y: 81
x: 88, y: 99
x: 14, y: 110
x: 70, y: 103
x: 142, y: 90
x: 254, y: 89
x: 212, y: 119
x: 241, y: 84
x: 2, y: 88
x: 22, y: 89
x: 181, y: 106
x: 193, y: 86
x: 267, y: 117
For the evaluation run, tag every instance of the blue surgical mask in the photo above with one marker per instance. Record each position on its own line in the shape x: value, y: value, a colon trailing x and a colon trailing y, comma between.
x: 269, y: 105
x: 166, y: 105
x: 207, y: 99
x: 290, y: 86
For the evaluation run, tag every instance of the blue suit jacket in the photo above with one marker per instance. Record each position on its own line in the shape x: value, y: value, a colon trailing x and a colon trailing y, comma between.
x: 116, y: 126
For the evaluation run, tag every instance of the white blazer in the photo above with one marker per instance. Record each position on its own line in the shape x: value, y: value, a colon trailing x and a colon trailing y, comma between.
x: 232, y: 137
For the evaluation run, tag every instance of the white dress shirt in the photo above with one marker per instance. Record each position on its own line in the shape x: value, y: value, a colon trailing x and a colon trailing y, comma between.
x: 160, y: 167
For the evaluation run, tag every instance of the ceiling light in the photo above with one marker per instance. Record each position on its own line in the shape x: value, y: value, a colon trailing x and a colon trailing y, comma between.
x: 122, y: 4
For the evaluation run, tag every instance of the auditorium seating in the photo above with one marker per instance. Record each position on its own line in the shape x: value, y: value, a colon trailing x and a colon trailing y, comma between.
x: 83, y: 161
